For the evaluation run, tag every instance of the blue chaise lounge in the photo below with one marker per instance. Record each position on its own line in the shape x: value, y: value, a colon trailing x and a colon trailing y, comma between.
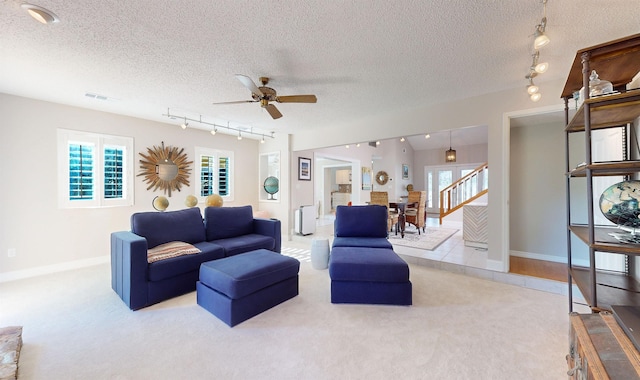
x: 363, y: 267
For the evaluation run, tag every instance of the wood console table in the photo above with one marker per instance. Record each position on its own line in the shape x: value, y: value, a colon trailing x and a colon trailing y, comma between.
x: 599, y: 349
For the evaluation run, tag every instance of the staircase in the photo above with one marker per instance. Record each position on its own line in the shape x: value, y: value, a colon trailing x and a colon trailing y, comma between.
x: 465, y: 190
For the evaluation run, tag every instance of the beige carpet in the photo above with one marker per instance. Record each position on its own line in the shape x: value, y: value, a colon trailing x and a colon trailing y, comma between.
x: 459, y: 327
x: 430, y: 240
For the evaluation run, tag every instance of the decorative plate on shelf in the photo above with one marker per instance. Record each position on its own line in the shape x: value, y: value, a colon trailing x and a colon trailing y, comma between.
x: 619, y: 203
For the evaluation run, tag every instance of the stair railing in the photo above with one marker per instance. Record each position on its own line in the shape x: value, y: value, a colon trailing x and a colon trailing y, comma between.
x: 465, y: 190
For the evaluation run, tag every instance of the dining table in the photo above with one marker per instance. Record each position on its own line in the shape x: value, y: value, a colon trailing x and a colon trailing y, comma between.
x: 400, y: 207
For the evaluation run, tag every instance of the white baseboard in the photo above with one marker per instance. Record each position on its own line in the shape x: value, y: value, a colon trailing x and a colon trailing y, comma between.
x: 539, y: 256
x: 48, y: 269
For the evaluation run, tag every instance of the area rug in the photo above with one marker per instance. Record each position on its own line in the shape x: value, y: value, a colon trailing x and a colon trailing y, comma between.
x: 429, y: 240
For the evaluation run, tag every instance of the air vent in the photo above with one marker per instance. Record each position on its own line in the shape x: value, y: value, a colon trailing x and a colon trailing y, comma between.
x: 97, y: 96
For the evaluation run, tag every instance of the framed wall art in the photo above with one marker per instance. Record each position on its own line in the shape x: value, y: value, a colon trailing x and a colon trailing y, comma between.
x: 405, y: 171
x: 304, y: 169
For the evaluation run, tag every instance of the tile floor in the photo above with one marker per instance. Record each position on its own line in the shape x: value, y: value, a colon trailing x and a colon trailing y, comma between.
x: 452, y: 255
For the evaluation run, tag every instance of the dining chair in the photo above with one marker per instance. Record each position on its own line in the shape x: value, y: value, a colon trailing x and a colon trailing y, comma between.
x: 416, y: 208
x: 382, y: 198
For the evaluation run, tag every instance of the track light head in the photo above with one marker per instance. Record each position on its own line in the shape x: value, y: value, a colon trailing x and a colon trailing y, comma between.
x: 541, y: 39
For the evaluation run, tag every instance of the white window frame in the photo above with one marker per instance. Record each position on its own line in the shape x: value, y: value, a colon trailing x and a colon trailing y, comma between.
x: 99, y: 141
x: 202, y: 151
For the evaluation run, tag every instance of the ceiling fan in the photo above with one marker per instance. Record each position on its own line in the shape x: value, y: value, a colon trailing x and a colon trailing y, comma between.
x: 264, y: 95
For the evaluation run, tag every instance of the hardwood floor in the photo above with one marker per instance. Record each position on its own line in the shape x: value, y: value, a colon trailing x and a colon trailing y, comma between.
x: 538, y: 268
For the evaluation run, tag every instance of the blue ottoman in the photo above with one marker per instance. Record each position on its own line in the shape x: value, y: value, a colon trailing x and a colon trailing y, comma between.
x: 239, y: 287
x: 369, y: 276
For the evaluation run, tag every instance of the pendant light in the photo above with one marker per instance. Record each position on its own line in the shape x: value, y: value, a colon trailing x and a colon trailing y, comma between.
x: 450, y: 155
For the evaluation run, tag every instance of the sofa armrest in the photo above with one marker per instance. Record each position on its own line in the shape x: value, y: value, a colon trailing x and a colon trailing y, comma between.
x: 269, y: 227
x: 129, y: 268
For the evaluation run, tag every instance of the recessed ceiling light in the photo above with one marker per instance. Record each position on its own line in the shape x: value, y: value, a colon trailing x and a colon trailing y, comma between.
x: 44, y: 16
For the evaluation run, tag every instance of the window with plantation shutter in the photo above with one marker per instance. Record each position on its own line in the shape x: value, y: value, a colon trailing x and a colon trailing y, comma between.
x: 81, y: 171
x: 214, y: 170
x: 223, y: 176
x: 113, y: 172
x: 94, y: 170
x: 207, y: 166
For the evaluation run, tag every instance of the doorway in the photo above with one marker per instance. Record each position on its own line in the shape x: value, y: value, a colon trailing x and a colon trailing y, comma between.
x: 329, y: 189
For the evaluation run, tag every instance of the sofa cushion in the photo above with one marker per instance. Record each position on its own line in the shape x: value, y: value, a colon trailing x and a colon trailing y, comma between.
x: 246, y: 243
x: 361, y: 221
x: 163, y: 269
x: 367, y: 264
x: 228, y: 222
x: 162, y: 227
x: 372, y: 242
x: 169, y: 250
x: 241, y: 275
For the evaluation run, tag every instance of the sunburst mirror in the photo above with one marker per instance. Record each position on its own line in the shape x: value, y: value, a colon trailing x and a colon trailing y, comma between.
x: 165, y: 168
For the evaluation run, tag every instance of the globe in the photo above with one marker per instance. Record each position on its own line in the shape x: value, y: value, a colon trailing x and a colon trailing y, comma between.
x: 160, y: 203
x: 214, y: 200
x: 191, y: 201
x: 271, y: 186
x: 619, y: 203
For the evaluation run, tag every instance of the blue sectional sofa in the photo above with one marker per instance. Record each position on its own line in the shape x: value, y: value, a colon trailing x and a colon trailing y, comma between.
x: 363, y: 266
x: 224, y: 232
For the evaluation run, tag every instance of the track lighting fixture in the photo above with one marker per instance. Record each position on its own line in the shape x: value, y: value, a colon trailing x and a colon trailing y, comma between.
x: 540, y: 40
x: 402, y: 139
x: 262, y: 141
x: 427, y: 136
x: 227, y: 129
x: 44, y: 16
x: 239, y: 135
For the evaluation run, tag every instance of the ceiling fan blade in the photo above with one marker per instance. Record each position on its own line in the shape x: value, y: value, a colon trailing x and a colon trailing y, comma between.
x: 236, y: 102
x: 248, y: 83
x: 273, y: 111
x: 297, y: 99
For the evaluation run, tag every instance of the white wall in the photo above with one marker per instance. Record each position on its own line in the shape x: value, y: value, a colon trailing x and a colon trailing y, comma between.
x: 45, y: 236
x: 537, y: 187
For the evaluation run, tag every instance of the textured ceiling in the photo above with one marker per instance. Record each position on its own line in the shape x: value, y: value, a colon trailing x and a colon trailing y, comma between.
x: 360, y: 58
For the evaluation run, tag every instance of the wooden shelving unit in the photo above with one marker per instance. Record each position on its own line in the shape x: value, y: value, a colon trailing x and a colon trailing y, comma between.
x: 617, y: 61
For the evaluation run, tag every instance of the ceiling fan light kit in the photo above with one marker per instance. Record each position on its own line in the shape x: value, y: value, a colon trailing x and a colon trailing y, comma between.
x: 540, y: 39
x: 265, y: 95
